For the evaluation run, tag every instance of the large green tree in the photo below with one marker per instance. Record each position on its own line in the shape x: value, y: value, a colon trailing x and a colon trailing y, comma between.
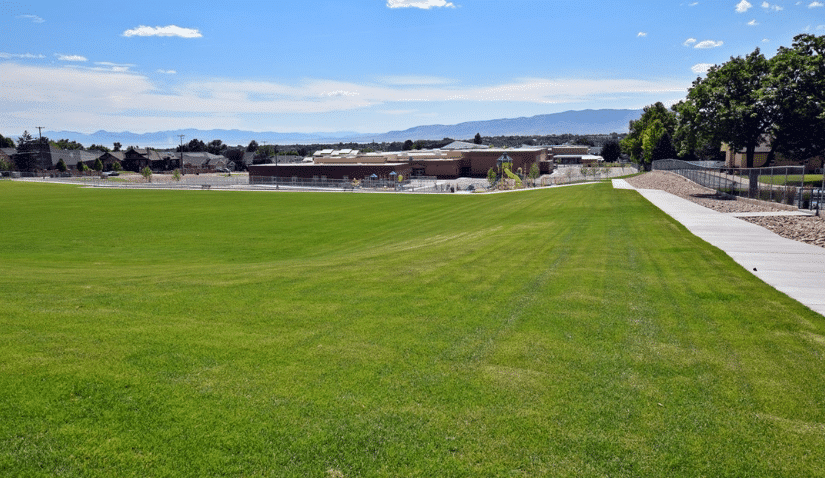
x: 611, y: 151
x: 216, y: 147
x: 646, y: 133
x: 29, y: 151
x: 68, y: 144
x: 731, y: 104
x: 796, y: 88
x: 6, y: 142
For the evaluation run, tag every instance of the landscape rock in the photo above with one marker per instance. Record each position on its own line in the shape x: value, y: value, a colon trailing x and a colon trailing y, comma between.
x: 808, y: 229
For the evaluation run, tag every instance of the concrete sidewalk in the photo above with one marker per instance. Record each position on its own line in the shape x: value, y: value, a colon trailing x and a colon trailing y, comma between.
x: 792, y: 267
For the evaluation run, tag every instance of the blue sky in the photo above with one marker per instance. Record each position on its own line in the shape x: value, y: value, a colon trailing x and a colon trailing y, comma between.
x: 363, y: 65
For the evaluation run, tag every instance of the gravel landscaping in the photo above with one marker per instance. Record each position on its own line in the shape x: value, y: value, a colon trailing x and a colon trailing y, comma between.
x: 808, y: 229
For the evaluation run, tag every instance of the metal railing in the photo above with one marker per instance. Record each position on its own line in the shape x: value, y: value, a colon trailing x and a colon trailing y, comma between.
x: 419, y: 184
x: 780, y: 184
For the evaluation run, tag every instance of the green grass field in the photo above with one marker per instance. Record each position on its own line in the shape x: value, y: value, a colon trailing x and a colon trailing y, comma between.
x: 809, y: 180
x: 568, y: 332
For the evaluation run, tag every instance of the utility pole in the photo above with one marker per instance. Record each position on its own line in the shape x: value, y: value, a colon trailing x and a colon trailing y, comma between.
x: 40, y: 146
x: 181, y: 153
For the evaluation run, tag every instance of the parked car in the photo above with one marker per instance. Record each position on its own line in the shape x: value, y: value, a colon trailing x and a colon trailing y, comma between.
x: 223, y: 170
x: 110, y: 173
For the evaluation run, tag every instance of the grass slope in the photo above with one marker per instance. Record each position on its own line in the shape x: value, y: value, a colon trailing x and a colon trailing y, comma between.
x: 567, y: 332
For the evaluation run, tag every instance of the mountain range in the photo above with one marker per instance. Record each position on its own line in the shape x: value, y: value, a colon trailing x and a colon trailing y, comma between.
x: 603, y: 121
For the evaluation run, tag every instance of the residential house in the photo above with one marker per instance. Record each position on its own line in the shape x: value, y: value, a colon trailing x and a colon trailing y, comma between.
x: 200, y: 162
x: 110, y: 158
x: 7, y: 153
x: 135, y: 159
x: 71, y: 157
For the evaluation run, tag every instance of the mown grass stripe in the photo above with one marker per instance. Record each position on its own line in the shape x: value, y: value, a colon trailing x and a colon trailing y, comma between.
x: 570, y: 332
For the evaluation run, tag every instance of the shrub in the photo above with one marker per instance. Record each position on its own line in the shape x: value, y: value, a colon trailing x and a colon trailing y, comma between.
x: 491, y: 176
x: 146, y: 173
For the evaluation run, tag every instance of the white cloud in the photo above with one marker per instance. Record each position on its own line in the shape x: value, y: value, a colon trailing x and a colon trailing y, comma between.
x: 820, y: 28
x: 816, y: 5
x: 33, y: 18
x: 641, y: 34
x: 743, y: 6
x: 167, y: 72
x: 167, y: 31
x: 116, y: 67
x: 768, y: 6
x: 700, y: 68
x: 689, y: 42
x: 89, y: 99
x: 422, y: 4
x: 765, y: 40
x: 8, y: 56
x: 70, y: 57
x: 693, y: 4
x: 338, y: 93
x: 708, y: 44
x: 753, y: 23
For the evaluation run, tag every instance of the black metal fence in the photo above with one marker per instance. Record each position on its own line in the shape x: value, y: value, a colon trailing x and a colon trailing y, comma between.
x: 781, y: 184
x: 418, y: 184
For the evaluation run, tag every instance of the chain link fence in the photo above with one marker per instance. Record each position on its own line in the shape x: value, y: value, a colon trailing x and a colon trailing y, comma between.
x: 781, y: 184
x: 417, y: 184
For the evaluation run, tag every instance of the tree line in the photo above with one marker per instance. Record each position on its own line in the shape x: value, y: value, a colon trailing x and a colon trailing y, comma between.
x: 743, y: 103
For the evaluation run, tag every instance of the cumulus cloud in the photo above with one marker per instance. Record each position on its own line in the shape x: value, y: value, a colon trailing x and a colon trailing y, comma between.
x: 816, y: 5
x: 768, y: 6
x: 743, y: 6
x: 422, y: 4
x: 641, y: 34
x: 689, y: 42
x: 167, y: 31
x: 700, y: 68
x: 8, y: 56
x: 708, y: 44
x: 70, y: 57
x: 753, y: 23
x: 168, y: 72
x: 33, y: 18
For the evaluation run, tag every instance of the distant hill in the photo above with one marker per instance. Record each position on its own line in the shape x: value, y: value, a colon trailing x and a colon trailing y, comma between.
x: 572, y: 122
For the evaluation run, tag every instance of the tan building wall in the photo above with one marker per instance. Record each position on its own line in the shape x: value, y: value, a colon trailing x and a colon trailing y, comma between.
x: 570, y: 149
x: 331, y: 171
